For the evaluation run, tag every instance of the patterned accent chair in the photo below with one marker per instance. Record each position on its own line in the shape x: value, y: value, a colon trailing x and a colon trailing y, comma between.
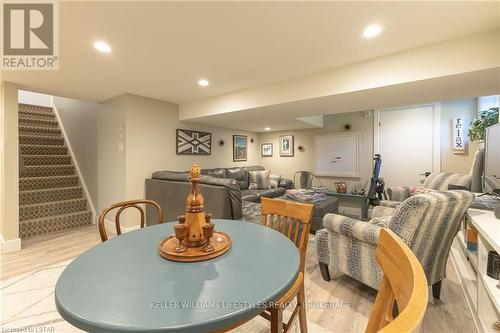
x: 438, y: 181
x: 491, y: 184
x: 427, y: 223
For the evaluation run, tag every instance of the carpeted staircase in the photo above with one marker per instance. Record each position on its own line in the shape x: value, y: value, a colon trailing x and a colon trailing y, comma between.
x: 51, y: 197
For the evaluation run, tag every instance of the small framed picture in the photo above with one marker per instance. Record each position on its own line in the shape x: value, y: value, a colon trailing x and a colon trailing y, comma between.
x: 266, y: 150
x: 286, y: 145
x: 240, y: 148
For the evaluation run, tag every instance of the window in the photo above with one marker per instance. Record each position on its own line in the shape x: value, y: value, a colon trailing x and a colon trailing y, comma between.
x: 487, y: 102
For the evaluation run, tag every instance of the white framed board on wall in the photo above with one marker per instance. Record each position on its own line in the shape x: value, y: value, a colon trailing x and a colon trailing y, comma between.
x: 338, y: 154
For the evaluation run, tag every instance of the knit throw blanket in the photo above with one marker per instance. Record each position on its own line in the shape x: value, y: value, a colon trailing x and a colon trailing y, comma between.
x: 305, y: 195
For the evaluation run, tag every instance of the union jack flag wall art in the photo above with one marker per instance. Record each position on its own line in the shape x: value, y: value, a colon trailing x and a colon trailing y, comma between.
x: 193, y: 142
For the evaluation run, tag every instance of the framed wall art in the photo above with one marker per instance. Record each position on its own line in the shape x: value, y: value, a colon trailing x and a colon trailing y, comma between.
x: 190, y: 142
x: 338, y: 154
x: 240, y: 148
x: 266, y: 150
x: 286, y: 145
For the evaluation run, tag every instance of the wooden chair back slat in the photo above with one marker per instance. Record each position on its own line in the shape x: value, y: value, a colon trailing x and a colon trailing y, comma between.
x: 283, y: 226
x: 292, y: 220
x: 404, y: 282
x: 290, y: 229
x: 122, y: 207
x: 297, y: 232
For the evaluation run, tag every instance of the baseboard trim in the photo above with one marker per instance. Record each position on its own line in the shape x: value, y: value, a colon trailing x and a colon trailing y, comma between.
x: 8, y: 246
x: 111, y: 227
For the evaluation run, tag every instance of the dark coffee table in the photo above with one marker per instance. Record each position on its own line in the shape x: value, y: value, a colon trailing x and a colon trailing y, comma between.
x: 321, y: 208
x: 361, y: 199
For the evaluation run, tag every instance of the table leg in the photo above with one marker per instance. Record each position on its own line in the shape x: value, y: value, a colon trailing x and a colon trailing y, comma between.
x: 364, y: 209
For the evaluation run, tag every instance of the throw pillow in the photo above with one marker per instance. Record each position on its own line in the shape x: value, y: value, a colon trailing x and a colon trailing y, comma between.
x: 259, y: 180
x: 419, y: 190
x: 274, y: 180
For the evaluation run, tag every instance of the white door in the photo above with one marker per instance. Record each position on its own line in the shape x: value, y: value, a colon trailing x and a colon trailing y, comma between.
x: 409, y: 141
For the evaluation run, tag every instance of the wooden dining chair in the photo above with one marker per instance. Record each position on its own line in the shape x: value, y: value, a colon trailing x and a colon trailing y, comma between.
x: 294, y: 221
x: 124, y: 205
x: 404, y: 284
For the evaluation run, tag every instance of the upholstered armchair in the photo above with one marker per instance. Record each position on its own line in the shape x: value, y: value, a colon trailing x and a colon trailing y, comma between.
x: 438, y: 181
x: 427, y: 223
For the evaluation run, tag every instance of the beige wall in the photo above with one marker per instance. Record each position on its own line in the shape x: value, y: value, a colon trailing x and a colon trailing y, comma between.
x: 111, y: 176
x: 79, y: 119
x: 287, y: 166
x: 149, y: 138
x: 2, y: 175
x: 9, y: 163
x: 455, y: 162
x: 151, y: 135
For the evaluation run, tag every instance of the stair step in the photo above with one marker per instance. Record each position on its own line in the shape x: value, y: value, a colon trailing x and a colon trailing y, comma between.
x: 39, y: 183
x: 49, y: 195
x: 43, y: 150
x: 41, y: 140
x: 36, y: 211
x: 34, y: 115
x: 54, y: 223
x: 46, y: 160
x: 35, y: 109
x: 49, y: 131
x: 48, y: 170
x: 25, y: 121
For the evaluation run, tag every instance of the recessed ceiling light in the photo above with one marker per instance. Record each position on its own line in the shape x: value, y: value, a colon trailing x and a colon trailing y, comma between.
x: 102, y: 47
x: 203, y: 82
x: 267, y: 128
x: 372, y: 31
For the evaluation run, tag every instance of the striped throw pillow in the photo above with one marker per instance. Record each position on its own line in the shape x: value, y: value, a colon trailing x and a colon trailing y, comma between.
x: 259, y: 180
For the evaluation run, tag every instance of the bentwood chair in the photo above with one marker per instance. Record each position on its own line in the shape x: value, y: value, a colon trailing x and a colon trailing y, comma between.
x: 124, y: 205
x: 294, y: 221
x: 404, y: 284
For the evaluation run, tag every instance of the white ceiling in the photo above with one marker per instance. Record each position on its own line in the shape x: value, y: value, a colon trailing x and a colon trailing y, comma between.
x: 161, y: 49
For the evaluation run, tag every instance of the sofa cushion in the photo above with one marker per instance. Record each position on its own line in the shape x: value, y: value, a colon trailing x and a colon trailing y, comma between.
x: 171, y: 175
x: 274, y: 180
x: 254, y: 168
x: 239, y: 174
x: 215, y: 172
x: 286, y: 183
x: 259, y: 180
x: 272, y: 193
x: 249, y: 195
x: 255, y: 195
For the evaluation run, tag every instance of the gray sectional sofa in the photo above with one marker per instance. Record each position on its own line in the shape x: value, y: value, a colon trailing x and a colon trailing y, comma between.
x: 224, y: 189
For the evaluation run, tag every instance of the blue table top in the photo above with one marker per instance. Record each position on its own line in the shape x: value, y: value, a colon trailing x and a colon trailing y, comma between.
x: 123, y: 285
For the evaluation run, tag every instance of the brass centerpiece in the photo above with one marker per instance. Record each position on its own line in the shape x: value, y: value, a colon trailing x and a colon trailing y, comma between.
x: 195, y: 238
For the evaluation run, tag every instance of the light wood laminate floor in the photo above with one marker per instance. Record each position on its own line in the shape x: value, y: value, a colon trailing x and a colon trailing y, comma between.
x: 342, y: 305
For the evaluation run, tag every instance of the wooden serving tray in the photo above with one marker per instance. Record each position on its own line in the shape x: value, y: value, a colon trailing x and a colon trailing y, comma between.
x: 220, y: 241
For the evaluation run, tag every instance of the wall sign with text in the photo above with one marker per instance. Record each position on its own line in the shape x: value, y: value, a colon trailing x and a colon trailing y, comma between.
x: 459, y: 135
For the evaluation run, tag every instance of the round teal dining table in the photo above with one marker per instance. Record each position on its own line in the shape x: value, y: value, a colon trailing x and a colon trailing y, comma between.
x: 124, y: 285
